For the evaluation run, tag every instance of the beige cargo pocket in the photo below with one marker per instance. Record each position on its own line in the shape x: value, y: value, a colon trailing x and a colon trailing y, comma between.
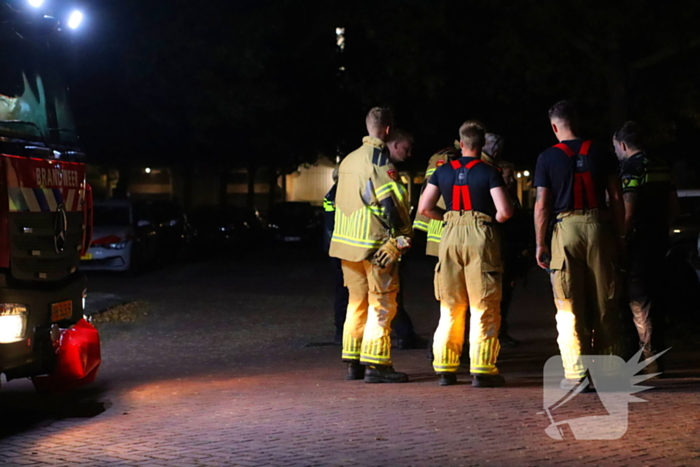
x: 491, y: 277
x: 561, y: 278
x: 436, y: 282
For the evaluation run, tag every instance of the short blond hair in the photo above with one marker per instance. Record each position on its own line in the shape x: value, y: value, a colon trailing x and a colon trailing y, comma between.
x: 379, y: 118
x: 472, y: 134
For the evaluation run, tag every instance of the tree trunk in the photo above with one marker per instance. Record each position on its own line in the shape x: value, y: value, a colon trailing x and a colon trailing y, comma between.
x: 187, y: 184
x: 250, y: 200
x: 224, y: 178
x: 272, y: 188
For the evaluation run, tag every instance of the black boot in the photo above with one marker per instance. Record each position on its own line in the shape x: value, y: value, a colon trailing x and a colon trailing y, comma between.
x: 355, y: 371
x: 412, y: 342
x: 384, y: 374
x: 488, y: 381
x: 506, y: 341
x: 447, y: 379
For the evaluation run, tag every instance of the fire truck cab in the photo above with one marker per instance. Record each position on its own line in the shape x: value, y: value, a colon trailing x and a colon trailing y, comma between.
x: 45, y: 221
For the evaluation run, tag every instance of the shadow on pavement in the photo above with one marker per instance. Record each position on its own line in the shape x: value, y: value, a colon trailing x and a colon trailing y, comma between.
x: 22, y: 411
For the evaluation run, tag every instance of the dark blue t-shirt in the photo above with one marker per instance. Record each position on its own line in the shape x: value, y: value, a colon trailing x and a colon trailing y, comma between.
x: 555, y: 170
x: 480, y: 178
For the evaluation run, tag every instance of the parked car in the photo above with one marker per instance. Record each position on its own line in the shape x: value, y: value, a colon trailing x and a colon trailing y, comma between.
x: 686, y: 227
x: 217, y: 227
x: 174, y: 230
x: 295, y: 222
x: 124, y: 238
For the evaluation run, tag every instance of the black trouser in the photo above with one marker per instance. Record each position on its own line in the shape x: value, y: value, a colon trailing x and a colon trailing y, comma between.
x: 645, y: 291
x: 402, y: 324
x: 341, y: 297
x: 508, y: 278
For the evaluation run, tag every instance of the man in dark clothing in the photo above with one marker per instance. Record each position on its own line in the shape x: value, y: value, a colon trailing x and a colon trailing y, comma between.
x: 514, y: 237
x: 341, y: 292
x: 650, y: 201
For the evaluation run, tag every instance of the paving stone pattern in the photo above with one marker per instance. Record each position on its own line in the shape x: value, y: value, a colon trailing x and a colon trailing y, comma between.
x: 218, y: 374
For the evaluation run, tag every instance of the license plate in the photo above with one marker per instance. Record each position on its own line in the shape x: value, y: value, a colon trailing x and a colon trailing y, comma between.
x: 86, y: 256
x: 61, y: 310
x: 292, y: 239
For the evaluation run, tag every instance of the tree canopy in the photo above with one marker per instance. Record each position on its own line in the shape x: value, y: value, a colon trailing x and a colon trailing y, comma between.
x: 258, y: 83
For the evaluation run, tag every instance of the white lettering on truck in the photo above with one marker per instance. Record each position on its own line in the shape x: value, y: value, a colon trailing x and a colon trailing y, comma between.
x: 56, y: 177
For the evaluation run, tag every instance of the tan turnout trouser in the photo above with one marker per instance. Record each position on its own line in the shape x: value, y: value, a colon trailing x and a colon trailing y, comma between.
x: 585, y: 286
x: 468, y: 274
x: 371, y: 307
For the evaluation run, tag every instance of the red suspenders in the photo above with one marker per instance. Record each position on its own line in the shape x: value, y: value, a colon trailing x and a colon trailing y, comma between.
x: 583, y: 182
x: 461, y: 199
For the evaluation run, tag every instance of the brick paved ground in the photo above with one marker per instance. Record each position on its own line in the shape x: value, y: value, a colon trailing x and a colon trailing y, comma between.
x: 218, y: 374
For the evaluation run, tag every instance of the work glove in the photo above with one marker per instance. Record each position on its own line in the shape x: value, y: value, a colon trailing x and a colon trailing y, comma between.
x: 390, y: 251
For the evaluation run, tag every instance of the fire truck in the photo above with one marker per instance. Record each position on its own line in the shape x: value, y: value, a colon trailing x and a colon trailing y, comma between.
x: 45, y: 217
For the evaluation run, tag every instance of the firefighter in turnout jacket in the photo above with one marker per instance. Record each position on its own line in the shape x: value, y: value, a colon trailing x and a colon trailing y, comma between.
x: 433, y: 228
x: 468, y: 274
x: 372, y: 229
x: 572, y: 179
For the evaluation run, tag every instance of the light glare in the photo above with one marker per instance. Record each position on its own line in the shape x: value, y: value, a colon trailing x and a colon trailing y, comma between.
x: 75, y: 19
x: 12, y: 328
x: 36, y: 3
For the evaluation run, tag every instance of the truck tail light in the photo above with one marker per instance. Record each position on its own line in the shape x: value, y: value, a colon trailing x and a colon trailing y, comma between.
x: 13, y: 322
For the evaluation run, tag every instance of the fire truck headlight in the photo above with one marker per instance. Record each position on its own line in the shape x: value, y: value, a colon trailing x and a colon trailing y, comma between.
x: 13, y: 322
x: 75, y: 19
x: 36, y: 3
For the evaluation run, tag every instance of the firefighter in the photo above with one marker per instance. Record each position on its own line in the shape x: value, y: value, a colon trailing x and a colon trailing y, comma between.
x: 400, y: 145
x: 433, y: 228
x: 572, y: 179
x: 512, y: 237
x: 372, y: 230
x: 650, y: 202
x: 468, y: 273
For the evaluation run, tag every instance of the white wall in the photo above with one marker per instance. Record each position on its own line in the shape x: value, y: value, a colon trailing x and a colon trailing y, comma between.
x: 310, y: 183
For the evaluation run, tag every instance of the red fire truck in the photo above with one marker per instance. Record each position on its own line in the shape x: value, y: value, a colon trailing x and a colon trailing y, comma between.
x: 45, y: 222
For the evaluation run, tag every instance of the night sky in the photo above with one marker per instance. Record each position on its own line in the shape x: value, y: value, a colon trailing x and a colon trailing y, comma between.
x: 241, y: 83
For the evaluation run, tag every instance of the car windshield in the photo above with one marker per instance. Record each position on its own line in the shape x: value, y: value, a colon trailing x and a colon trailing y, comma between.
x: 111, y: 216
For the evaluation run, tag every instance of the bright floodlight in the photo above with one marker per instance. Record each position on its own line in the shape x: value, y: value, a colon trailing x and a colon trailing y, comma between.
x: 36, y: 3
x: 75, y: 19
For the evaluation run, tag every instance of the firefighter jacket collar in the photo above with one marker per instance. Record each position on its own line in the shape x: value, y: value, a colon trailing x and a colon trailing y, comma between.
x: 375, y: 142
x: 488, y: 159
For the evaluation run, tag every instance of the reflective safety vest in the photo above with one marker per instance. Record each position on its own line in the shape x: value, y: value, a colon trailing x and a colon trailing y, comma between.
x: 584, y: 188
x: 461, y: 198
